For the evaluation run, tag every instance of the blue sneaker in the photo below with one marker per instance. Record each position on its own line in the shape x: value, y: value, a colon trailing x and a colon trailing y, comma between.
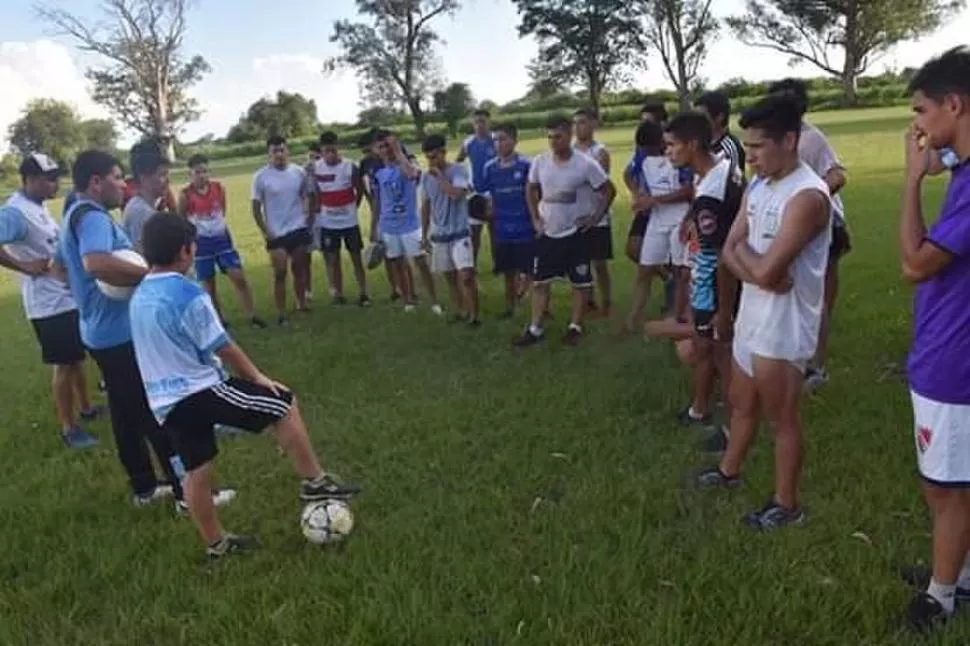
x: 76, y: 438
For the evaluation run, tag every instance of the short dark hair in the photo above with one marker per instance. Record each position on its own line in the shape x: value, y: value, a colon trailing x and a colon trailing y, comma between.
x: 797, y: 89
x: 314, y: 147
x: 147, y: 162
x: 690, y: 127
x: 656, y: 109
x: 198, y: 159
x: 382, y: 134
x: 366, y: 140
x: 329, y: 138
x: 90, y: 164
x: 776, y: 114
x: 589, y: 113
x: 164, y: 236
x: 433, y: 142
x: 482, y: 112
x: 275, y: 140
x: 509, y: 129
x: 650, y: 134
x: 558, y: 122
x: 948, y: 73
x: 717, y: 104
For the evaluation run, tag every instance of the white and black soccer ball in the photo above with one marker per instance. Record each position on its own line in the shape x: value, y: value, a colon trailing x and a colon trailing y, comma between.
x: 326, y: 521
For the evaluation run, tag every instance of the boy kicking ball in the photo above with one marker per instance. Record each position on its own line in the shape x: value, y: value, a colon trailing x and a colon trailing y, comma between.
x: 180, y: 346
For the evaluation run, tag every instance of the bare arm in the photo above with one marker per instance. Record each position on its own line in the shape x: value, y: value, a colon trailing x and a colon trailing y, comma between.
x: 182, y: 206
x: 532, y: 193
x: 408, y: 168
x: 835, y: 179
x: 736, y: 236
x: 604, y: 159
x: 375, y: 215
x: 462, y: 154
x: 357, y: 181
x: 425, y: 219
x: 645, y: 202
x: 26, y: 267
x: 450, y: 189
x: 112, y: 270
x: 259, y: 217
x: 607, y: 193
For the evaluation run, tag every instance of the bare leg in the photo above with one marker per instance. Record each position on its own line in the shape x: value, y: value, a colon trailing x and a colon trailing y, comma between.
x: 360, y: 274
x: 780, y: 387
x: 476, y: 240
x: 831, y: 294
x: 238, y: 279
x: 951, y: 530
x: 210, y: 288
x: 278, y: 258
x: 451, y: 278
x: 293, y: 437
x: 744, y: 420
x: 392, y: 279
x: 641, y: 296
x: 540, y: 303
x: 469, y: 292
x: 581, y: 299
x: 400, y: 274
x: 79, y: 379
x: 334, y: 272
x: 198, y: 495
x: 62, y: 385
x: 704, y: 372
x: 681, y: 291
x: 426, y: 278
x: 601, y: 268
x: 511, y: 290
x: 299, y: 265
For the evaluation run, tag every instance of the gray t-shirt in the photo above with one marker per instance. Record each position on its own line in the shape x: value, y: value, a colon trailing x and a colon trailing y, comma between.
x: 137, y: 211
x: 281, y: 192
x: 449, y: 215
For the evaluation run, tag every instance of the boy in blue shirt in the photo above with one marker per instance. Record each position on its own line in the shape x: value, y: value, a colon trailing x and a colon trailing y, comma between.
x: 478, y: 149
x: 180, y: 345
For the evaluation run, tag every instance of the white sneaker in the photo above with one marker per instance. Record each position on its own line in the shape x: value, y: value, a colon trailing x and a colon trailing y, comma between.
x: 160, y: 492
x: 410, y: 307
x: 438, y: 310
x: 220, y: 498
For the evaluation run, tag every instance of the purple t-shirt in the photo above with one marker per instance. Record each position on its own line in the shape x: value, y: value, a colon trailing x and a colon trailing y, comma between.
x: 939, y: 359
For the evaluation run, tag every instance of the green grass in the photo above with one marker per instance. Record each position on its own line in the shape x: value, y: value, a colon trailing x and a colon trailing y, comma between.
x: 511, y: 498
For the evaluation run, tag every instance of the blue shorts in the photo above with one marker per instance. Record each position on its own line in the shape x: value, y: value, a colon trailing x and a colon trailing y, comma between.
x: 205, y: 268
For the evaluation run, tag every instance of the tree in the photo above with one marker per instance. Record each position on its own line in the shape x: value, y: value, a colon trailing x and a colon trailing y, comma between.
x: 859, y: 30
x: 681, y: 32
x: 591, y: 42
x: 145, y: 77
x: 394, y: 55
x: 100, y: 134
x: 453, y: 104
x: 289, y: 115
x: 48, y: 126
x: 379, y: 116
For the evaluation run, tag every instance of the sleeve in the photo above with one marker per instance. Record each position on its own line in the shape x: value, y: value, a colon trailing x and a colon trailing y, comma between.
x: 13, y: 225
x: 712, y: 225
x: 828, y: 159
x: 595, y: 174
x: 95, y: 233
x: 952, y: 234
x: 459, y: 177
x: 257, y: 192
x: 534, y: 171
x: 201, y: 323
x: 487, y: 179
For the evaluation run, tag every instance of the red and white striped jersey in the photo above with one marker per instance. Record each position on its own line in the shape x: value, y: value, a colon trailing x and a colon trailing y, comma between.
x: 335, y: 193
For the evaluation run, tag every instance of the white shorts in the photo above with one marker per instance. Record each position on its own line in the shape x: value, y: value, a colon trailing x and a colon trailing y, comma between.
x: 452, y: 256
x: 661, y: 244
x: 942, y: 433
x: 407, y: 245
x: 744, y: 357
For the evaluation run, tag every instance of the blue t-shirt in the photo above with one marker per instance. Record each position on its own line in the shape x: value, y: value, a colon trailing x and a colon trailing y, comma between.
x: 479, y: 151
x: 398, y: 197
x: 104, y: 321
x: 69, y: 202
x: 507, y: 186
x: 176, y: 332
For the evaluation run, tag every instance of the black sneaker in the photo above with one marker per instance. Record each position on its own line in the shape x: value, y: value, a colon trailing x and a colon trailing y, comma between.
x: 257, y: 323
x: 686, y: 419
x: 339, y: 300
x: 95, y: 412
x: 528, y: 339
x: 457, y: 318
x: 773, y: 516
x: 395, y: 297
x: 474, y: 323
x: 231, y: 544
x: 326, y: 488
x: 919, y: 577
x: 716, y: 443
x: 572, y: 336
x: 925, y: 614
x: 713, y: 477
x: 364, y: 300
x: 282, y: 321
x: 506, y: 315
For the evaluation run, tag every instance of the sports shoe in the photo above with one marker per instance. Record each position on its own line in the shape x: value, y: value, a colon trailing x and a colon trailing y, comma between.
x: 919, y: 577
x: 925, y: 614
x: 686, y: 419
x: 715, y: 443
x: 338, y: 299
x: 410, y: 307
x: 437, y: 310
x: 713, y: 477
x: 231, y: 544
x: 528, y: 339
x: 815, y: 378
x: 102, y: 386
x: 308, y: 296
x: 364, y: 300
x: 160, y: 492
x: 93, y: 413
x: 506, y: 315
x: 572, y: 336
x: 282, y: 321
x: 257, y: 323
x: 326, y: 487
x: 77, y: 438
x: 773, y: 516
x: 220, y: 498
x: 474, y: 323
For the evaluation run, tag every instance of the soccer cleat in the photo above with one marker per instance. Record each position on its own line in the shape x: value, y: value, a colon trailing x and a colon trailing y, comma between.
x: 325, y: 488
x: 76, y: 438
x: 231, y: 544
x: 573, y: 336
x: 220, y: 498
x: 257, y: 323
x: 773, y: 516
x: 364, y: 300
x: 713, y: 478
x: 95, y: 412
x: 410, y: 307
x: 919, y: 577
x: 925, y: 614
x: 686, y: 419
x: 528, y: 339
x: 160, y: 492
x: 716, y: 443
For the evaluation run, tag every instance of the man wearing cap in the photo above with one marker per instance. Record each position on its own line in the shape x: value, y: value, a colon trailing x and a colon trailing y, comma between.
x: 29, y: 235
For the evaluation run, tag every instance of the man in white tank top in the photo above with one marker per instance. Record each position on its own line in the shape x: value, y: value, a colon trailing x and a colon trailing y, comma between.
x: 778, y: 247
x: 29, y: 234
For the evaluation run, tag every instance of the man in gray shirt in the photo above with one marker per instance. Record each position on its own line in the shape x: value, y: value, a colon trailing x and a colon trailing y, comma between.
x: 150, y: 169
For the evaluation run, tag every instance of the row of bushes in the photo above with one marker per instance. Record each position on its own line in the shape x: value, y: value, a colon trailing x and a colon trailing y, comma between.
x: 821, y: 99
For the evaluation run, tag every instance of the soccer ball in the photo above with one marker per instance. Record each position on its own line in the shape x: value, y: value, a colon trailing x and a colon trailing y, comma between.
x: 122, y: 293
x: 326, y: 521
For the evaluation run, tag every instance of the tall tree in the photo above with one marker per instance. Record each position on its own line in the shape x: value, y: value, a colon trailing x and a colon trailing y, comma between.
x: 48, y: 126
x: 100, y: 134
x: 681, y: 32
x: 594, y: 43
x: 839, y: 37
x: 393, y: 54
x: 145, y: 76
x: 453, y: 104
x: 289, y: 115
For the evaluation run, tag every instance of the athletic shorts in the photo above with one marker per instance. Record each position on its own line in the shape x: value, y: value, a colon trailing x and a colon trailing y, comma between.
x: 639, y: 224
x: 235, y: 402
x: 562, y: 257
x: 328, y: 240
x: 841, y: 242
x: 205, y: 268
x: 518, y: 257
x: 60, y: 338
x: 406, y: 245
x: 477, y: 209
x: 744, y: 357
x: 291, y: 241
x: 942, y: 433
x: 704, y: 323
x: 454, y: 255
x: 599, y: 243
x: 662, y: 245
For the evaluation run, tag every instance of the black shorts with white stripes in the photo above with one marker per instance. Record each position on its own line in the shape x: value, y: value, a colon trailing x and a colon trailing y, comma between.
x: 235, y: 402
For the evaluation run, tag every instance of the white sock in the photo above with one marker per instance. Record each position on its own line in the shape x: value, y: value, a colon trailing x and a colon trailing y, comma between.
x: 535, y: 330
x: 693, y: 414
x: 577, y: 327
x: 964, y: 580
x: 945, y: 594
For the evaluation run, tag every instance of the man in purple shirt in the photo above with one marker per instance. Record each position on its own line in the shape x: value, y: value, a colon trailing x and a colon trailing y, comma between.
x: 937, y: 260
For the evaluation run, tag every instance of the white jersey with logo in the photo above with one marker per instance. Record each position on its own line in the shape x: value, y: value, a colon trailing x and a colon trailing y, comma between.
x: 592, y: 198
x: 281, y: 192
x: 562, y: 185
x: 661, y: 177
x: 335, y: 193
x: 43, y: 296
x: 784, y: 326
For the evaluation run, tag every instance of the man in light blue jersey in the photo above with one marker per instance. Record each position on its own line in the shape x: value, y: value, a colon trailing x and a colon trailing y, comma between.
x: 478, y: 149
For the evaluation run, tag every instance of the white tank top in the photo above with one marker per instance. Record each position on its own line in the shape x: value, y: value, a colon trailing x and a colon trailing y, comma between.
x: 588, y: 195
x: 43, y: 296
x: 336, y: 198
x: 784, y: 326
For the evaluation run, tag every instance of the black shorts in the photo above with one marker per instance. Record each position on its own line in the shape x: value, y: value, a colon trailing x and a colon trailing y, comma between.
x: 841, y: 242
x: 60, y: 339
x: 328, y: 240
x: 638, y: 228
x: 703, y: 323
x: 562, y: 257
x: 514, y: 256
x: 477, y: 208
x: 291, y: 241
x: 235, y: 402
x: 599, y: 243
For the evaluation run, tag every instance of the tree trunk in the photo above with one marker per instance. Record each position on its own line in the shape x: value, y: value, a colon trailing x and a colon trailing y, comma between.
x: 850, y: 67
x: 849, y: 88
x: 417, y: 115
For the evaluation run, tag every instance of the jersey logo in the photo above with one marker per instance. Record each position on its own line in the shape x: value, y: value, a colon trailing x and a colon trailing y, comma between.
x: 924, y: 437
x: 582, y: 270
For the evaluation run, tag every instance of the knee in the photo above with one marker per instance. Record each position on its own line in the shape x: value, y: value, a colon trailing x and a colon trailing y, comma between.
x: 687, y: 352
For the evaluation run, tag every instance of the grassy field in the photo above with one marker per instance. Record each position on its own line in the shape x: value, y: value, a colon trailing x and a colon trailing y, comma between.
x: 510, y: 498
